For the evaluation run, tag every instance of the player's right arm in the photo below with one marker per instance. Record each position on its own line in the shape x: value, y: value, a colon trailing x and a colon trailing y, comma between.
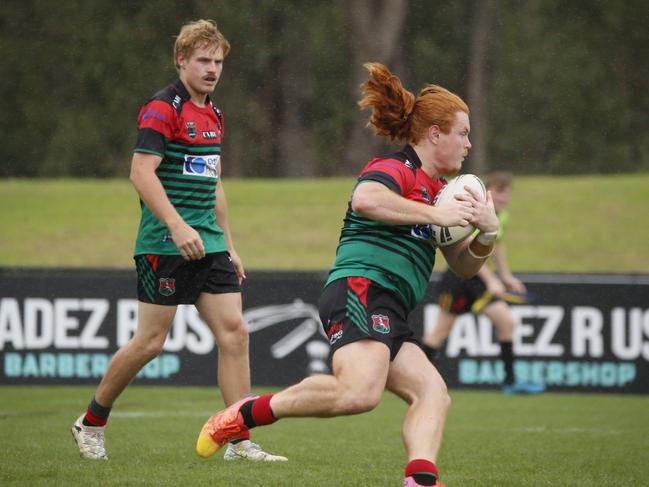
x: 375, y: 201
x: 152, y: 193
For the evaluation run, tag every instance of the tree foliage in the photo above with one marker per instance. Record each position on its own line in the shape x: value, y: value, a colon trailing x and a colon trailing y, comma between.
x: 564, y: 85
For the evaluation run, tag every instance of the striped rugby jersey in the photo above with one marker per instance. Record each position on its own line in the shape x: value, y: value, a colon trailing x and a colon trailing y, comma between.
x: 398, y: 257
x: 188, y: 138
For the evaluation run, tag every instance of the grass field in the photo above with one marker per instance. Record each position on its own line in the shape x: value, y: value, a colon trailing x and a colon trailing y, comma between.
x: 566, y: 224
x: 490, y: 440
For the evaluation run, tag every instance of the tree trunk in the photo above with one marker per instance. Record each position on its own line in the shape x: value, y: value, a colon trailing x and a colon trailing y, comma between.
x: 295, y: 134
x: 376, y: 28
x: 478, y: 162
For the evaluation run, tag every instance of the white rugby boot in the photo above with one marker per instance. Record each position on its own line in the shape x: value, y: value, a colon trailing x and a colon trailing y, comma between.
x: 247, y: 450
x: 90, y: 440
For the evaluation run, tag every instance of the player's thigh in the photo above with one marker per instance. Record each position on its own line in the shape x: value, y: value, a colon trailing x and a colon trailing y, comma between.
x: 444, y: 324
x: 222, y: 312
x: 154, y: 321
x: 500, y: 314
x: 362, y: 367
x: 412, y: 376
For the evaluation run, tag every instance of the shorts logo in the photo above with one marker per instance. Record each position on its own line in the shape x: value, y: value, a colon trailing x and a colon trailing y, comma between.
x: 205, y: 166
x: 167, y: 286
x: 381, y: 323
x: 334, y: 332
x: 191, y: 129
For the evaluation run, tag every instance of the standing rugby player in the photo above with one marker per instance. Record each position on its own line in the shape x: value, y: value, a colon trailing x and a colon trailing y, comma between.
x: 184, y: 252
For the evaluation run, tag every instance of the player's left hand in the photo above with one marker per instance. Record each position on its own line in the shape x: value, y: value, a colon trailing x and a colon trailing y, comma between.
x: 238, y: 265
x: 484, y: 214
x: 514, y: 284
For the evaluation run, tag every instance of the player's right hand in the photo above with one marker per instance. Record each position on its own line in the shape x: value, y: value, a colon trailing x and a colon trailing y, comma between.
x: 458, y: 213
x: 188, y: 241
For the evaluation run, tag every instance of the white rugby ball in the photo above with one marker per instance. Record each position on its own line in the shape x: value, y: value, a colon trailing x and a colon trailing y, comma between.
x: 445, y: 236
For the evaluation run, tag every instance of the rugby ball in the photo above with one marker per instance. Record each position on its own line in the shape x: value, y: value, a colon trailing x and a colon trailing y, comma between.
x: 445, y: 236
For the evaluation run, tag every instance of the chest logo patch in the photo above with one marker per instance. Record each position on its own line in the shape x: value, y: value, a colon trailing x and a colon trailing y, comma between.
x: 205, y: 166
x: 191, y: 129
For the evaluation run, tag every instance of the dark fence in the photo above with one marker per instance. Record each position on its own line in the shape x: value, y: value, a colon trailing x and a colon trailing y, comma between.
x: 582, y: 332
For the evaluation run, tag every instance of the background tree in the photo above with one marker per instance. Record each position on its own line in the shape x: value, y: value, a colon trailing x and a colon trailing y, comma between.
x: 478, y: 93
x: 567, y: 82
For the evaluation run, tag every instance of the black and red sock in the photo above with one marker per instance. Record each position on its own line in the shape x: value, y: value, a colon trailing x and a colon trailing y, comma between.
x: 96, y: 415
x: 423, y: 471
x: 258, y: 412
x: 242, y: 437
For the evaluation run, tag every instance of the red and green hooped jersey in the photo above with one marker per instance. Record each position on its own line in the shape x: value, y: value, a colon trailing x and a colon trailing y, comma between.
x: 188, y: 138
x: 398, y: 257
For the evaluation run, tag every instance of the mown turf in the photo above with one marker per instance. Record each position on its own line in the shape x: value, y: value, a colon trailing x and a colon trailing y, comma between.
x: 566, y: 224
x: 547, y: 440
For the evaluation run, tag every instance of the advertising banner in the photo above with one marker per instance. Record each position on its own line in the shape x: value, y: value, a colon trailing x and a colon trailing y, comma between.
x: 581, y: 333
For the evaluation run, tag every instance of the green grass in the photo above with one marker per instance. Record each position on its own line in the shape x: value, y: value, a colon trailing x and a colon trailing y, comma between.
x: 566, y: 224
x: 490, y: 439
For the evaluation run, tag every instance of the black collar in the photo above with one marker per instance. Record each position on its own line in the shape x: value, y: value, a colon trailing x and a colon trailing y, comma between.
x: 412, y: 155
x: 184, y: 93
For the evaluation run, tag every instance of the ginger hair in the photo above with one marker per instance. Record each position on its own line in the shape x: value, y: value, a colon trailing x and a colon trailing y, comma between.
x: 197, y: 35
x: 398, y: 115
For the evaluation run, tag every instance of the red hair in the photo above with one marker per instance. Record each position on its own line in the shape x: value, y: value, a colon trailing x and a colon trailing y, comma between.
x: 398, y: 115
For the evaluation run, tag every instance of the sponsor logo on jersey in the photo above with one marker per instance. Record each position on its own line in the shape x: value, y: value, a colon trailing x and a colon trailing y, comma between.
x: 191, y: 129
x: 422, y: 231
x: 209, y: 134
x: 381, y: 323
x: 205, y: 166
x: 167, y: 286
x: 150, y: 113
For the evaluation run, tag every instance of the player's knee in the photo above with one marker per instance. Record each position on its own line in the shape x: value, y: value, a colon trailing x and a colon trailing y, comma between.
x: 361, y: 402
x: 233, y: 336
x: 153, y: 347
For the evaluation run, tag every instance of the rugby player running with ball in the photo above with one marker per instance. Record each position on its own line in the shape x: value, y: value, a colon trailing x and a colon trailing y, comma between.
x: 383, y: 263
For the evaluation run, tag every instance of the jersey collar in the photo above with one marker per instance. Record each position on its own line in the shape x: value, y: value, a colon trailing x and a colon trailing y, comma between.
x: 184, y: 93
x: 412, y: 155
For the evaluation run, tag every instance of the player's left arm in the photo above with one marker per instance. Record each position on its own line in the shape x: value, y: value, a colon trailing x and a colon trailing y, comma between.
x: 222, y: 220
x: 510, y: 281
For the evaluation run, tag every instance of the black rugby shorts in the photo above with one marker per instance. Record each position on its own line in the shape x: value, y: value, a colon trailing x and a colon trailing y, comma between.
x: 356, y: 308
x: 457, y: 295
x: 171, y: 280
